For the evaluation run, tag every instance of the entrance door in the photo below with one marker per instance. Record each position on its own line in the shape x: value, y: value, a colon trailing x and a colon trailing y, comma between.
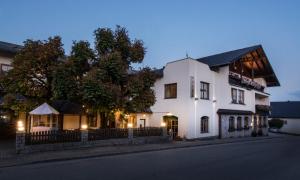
x: 172, y: 123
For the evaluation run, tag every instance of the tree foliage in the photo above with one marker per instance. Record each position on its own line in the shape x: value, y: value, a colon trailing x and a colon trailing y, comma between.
x: 101, y: 78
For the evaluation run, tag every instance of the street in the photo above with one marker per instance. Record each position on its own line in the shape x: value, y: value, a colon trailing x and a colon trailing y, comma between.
x: 277, y: 158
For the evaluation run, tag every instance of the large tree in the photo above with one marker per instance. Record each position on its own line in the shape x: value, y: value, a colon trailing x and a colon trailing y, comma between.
x: 112, y: 85
x: 32, y: 73
x: 67, y: 77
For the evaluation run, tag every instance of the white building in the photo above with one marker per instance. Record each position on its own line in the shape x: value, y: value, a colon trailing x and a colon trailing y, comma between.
x: 222, y: 95
x: 7, y: 53
x: 289, y: 113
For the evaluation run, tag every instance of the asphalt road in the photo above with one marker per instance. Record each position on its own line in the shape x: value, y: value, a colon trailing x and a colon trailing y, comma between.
x: 266, y: 159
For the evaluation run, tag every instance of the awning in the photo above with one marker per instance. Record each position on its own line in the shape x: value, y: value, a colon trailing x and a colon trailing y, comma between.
x: 44, y: 109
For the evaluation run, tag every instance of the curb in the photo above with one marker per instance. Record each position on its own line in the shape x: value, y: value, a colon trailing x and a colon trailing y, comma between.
x: 135, y: 151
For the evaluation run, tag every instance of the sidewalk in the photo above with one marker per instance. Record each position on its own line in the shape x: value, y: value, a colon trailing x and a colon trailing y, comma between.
x: 12, y: 159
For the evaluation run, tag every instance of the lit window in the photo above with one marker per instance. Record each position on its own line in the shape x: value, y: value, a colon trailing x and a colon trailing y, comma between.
x: 92, y: 120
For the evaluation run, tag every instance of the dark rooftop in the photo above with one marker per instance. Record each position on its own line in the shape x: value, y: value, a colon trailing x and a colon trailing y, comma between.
x: 287, y: 109
x: 9, y: 47
x: 226, y: 58
x: 67, y: 107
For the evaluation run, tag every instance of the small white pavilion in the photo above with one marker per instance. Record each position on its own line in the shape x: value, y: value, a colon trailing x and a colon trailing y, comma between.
x: 44, y: 118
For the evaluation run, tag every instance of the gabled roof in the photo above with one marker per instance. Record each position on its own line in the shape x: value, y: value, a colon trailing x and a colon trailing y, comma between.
x: 10, y: 47
x: 288, y: 109
x: 226, y: 58
x: 44, y: 109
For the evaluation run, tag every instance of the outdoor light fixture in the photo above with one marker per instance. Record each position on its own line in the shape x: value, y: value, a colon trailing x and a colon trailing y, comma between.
x: 84, y: 127
x: 20, y: 126
x: 144, y: 115
x: 129, y: 125
x: 169, y: 114
x: 163, y: 124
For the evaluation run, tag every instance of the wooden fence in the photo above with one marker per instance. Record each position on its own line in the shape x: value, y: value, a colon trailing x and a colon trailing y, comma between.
x: 50, y: 137
x: 147, y: 131
x: 108, y: 133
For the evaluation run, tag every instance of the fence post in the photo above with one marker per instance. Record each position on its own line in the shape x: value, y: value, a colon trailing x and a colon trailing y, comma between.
x: 130, y: 134
x: 165, y: 131
x: 170, y: 135
x: 20, y: 141
x: 84, y: 136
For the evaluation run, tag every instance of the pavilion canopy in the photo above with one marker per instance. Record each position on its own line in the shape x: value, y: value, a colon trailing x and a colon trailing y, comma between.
x: 44, y: 109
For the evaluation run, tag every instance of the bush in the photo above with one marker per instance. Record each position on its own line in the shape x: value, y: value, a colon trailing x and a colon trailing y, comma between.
x: 7, y: 130
x: 276, y: 123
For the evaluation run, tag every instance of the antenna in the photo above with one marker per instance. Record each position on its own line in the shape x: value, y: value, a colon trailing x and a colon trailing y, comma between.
x: 186, y: 54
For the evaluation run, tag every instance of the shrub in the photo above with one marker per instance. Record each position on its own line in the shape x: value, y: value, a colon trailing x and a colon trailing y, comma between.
x: 276, y: 123
x: 7, y: 130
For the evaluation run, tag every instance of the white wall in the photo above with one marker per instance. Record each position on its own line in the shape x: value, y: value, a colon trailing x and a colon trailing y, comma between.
x: 5, y: 60
x: 190, y: 110
x: 291, y: 126
x: 71, y: 122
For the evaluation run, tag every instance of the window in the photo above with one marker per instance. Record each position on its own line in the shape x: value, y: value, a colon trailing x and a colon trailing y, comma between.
x: 259, y: 122
x: 241, y: 97
x: 39, y: 120
x: 255, y: 121
x: 237, y: 96
x: 246, y: 123
x: 192, y: 88
x: 170, y: 91
x: 204, y: 90
x: 5, y: 67
x: 204, y: 124
x: 239, y: 123
x: 92, y: 120
x: 55, y: 121
x: 234, y: 95
x: 231, y: 124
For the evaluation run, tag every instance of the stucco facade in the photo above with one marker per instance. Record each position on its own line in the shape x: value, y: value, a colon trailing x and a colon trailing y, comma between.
x: 189, y: 110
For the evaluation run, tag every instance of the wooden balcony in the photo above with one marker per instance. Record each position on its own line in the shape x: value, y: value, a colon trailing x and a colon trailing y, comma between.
x: 245, y: 82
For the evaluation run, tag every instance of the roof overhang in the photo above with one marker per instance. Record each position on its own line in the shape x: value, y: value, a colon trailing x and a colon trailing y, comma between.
x: 252, y: 57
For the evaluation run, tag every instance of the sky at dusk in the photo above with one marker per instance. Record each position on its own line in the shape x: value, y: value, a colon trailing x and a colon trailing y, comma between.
x: 170, y: 29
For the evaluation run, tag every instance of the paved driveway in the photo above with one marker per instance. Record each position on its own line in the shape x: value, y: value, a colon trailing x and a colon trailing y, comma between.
x: 276, y: 158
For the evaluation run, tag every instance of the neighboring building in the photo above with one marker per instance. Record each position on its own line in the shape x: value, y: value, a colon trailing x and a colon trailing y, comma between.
x: 7, y: 53
x: 289, y: 112
x: 220, y: 95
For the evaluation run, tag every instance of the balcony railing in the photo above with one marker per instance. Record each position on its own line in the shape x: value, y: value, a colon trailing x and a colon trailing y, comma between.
x: 237, y: 79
